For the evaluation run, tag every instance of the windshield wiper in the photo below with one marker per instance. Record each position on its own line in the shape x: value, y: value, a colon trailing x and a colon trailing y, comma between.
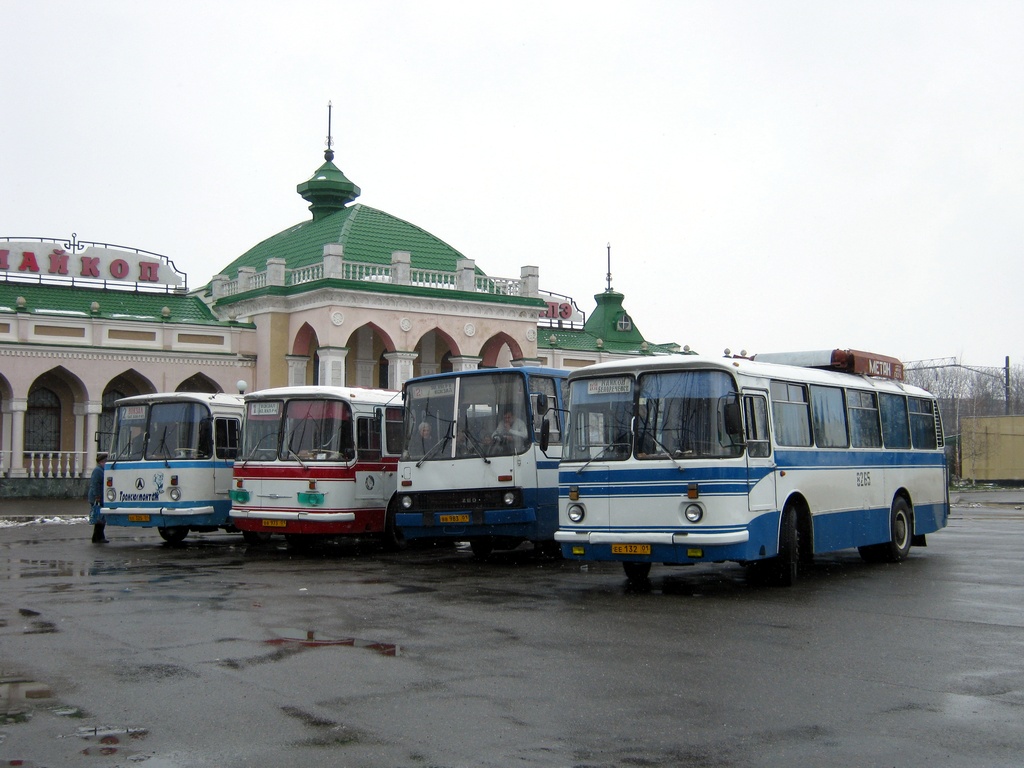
x: 295, y: 456
x: 474, y: 442
x: 602, y: 453
x: 438, y: 447
x: 257, y: 446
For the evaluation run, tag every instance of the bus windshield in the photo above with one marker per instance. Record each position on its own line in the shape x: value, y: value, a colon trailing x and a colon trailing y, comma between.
x: 684, y: 414
x: 679, y: 415
x: 179, y: 431
x: 176, y: 430
x: 600, y: 415
x: 479, y: 415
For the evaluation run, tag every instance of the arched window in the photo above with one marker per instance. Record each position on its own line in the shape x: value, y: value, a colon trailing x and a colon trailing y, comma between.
x: 42, y: 420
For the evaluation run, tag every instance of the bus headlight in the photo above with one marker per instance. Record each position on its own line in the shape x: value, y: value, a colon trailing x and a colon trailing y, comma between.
x: 406, y: 502
x: 111, y: 494
x: 576, y: 512
x: 509, y: 498
x: 175, y: 493
x: 694, y: 513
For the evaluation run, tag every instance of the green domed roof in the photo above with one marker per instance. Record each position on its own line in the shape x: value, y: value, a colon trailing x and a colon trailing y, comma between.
x: 367, y: 235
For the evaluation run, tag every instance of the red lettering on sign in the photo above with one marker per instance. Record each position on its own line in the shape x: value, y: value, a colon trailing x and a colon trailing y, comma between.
x: 565, y: 311
x: 149, y: 271
x: 552, y: 310
x: 90, y: 266
x: 58, y: 262
x: 28, y: 262
x: 3, y: 259
x: 119, y: 268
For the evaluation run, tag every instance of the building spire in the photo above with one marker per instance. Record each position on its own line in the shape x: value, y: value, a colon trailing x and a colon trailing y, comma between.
x: 329, y: 153
x: 609, y: 276
x: 327, y: 190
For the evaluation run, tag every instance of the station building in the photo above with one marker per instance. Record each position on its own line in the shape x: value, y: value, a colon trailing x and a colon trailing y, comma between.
x: 351, y: 296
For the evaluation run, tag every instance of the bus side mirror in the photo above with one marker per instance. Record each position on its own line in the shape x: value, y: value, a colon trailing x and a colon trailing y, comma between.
x: 545, y: 435
x: 542, y: 403
x: 733, y: 422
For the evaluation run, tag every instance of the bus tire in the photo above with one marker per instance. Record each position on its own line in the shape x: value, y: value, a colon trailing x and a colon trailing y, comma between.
x: 636, y: 571
x: 174, y: 534
x: 781, y: 570
x: 482, y: 548
x: 256, y: 537
x: 901, y: 530
x: 392, y: 538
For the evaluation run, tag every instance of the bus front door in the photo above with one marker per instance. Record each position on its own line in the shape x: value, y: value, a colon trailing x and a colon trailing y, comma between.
x: 761, y: 497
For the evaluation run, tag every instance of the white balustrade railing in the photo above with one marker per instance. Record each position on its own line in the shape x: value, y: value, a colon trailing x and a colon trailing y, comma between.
x: 375, y: 273
x: 53, y: 464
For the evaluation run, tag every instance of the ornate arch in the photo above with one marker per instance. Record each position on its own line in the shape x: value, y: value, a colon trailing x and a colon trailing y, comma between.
x: 492, y: 348
x: 199, y: 382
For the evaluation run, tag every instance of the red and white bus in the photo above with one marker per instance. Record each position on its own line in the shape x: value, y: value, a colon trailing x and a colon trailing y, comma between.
x: 318, y: 462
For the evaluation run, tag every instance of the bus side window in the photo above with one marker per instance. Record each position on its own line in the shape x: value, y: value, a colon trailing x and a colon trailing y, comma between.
x: 792, y: 413
x: 755, y: 409
x: 226, y: 438
x: 368, y: 438
x: 393, y: 434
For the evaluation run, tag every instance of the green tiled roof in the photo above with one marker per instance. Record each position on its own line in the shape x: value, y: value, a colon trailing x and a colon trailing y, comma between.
x: 367, y: 235
x: 604, y: 324
x: 71, y: 301
x: 582, y: 341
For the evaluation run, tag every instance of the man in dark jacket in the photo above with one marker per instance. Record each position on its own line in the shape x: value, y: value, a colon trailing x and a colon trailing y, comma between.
x: 96, y: 500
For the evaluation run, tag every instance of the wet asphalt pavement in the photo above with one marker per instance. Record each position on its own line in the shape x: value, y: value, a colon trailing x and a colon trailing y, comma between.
x: 215, y: 653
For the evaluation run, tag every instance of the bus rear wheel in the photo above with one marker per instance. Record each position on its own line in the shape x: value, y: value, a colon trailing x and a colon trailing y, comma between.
x: 174, y: 534
x: 901, y: 529
x: 636, y: 571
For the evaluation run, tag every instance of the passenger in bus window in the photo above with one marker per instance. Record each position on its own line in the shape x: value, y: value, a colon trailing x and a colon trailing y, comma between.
x: 424, y: 439
x: 510, y: 431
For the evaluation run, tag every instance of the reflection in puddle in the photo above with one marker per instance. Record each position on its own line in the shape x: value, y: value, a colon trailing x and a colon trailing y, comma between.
x: 16, y: 696
x: 309, y: 639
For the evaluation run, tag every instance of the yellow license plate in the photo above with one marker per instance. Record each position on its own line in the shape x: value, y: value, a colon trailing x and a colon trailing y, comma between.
x: 631, y: 549
x: 275, y: 523
x: 138, y: 518
x: 453, y: 518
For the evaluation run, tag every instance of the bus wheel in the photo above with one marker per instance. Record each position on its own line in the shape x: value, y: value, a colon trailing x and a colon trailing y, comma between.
x: 636, y: 571
x: 482, y: 548
x: 781, y: 570
x: 256, y: 537
x: 174, y: 535
x: 392, y: 538
x: 901, y: 527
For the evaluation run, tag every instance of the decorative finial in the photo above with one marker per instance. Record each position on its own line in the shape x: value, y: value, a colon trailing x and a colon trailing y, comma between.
x: 609, y: 267
x: 329, y: 153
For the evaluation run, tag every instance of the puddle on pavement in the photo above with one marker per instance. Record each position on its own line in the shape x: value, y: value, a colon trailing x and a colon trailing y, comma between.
x: 21, y: 698
x: 309, y: 639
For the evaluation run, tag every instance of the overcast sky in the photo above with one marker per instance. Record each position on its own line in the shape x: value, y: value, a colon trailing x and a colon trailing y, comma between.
x: 770, y: 175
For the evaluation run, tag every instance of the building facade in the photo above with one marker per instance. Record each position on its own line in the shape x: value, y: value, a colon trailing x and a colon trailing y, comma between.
x: 352, y: 296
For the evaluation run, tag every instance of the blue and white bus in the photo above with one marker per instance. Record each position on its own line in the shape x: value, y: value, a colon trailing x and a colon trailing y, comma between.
x: 170, y: 462
x: 472, y: 469
x: 683, y: 459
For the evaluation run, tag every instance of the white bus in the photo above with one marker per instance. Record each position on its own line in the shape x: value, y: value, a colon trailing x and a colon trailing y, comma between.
x: 170, y: 462
x: 682, y: 459
x: 317, y: 462
x: 472, y: 468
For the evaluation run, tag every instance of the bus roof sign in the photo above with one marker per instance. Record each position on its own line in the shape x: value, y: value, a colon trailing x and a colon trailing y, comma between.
x: 847, y: 360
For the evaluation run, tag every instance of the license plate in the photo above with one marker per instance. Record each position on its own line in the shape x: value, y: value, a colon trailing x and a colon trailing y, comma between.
x: 138, y: 518
x: 631, y: 549
x: 275, y: 523
x: 453, y: 518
